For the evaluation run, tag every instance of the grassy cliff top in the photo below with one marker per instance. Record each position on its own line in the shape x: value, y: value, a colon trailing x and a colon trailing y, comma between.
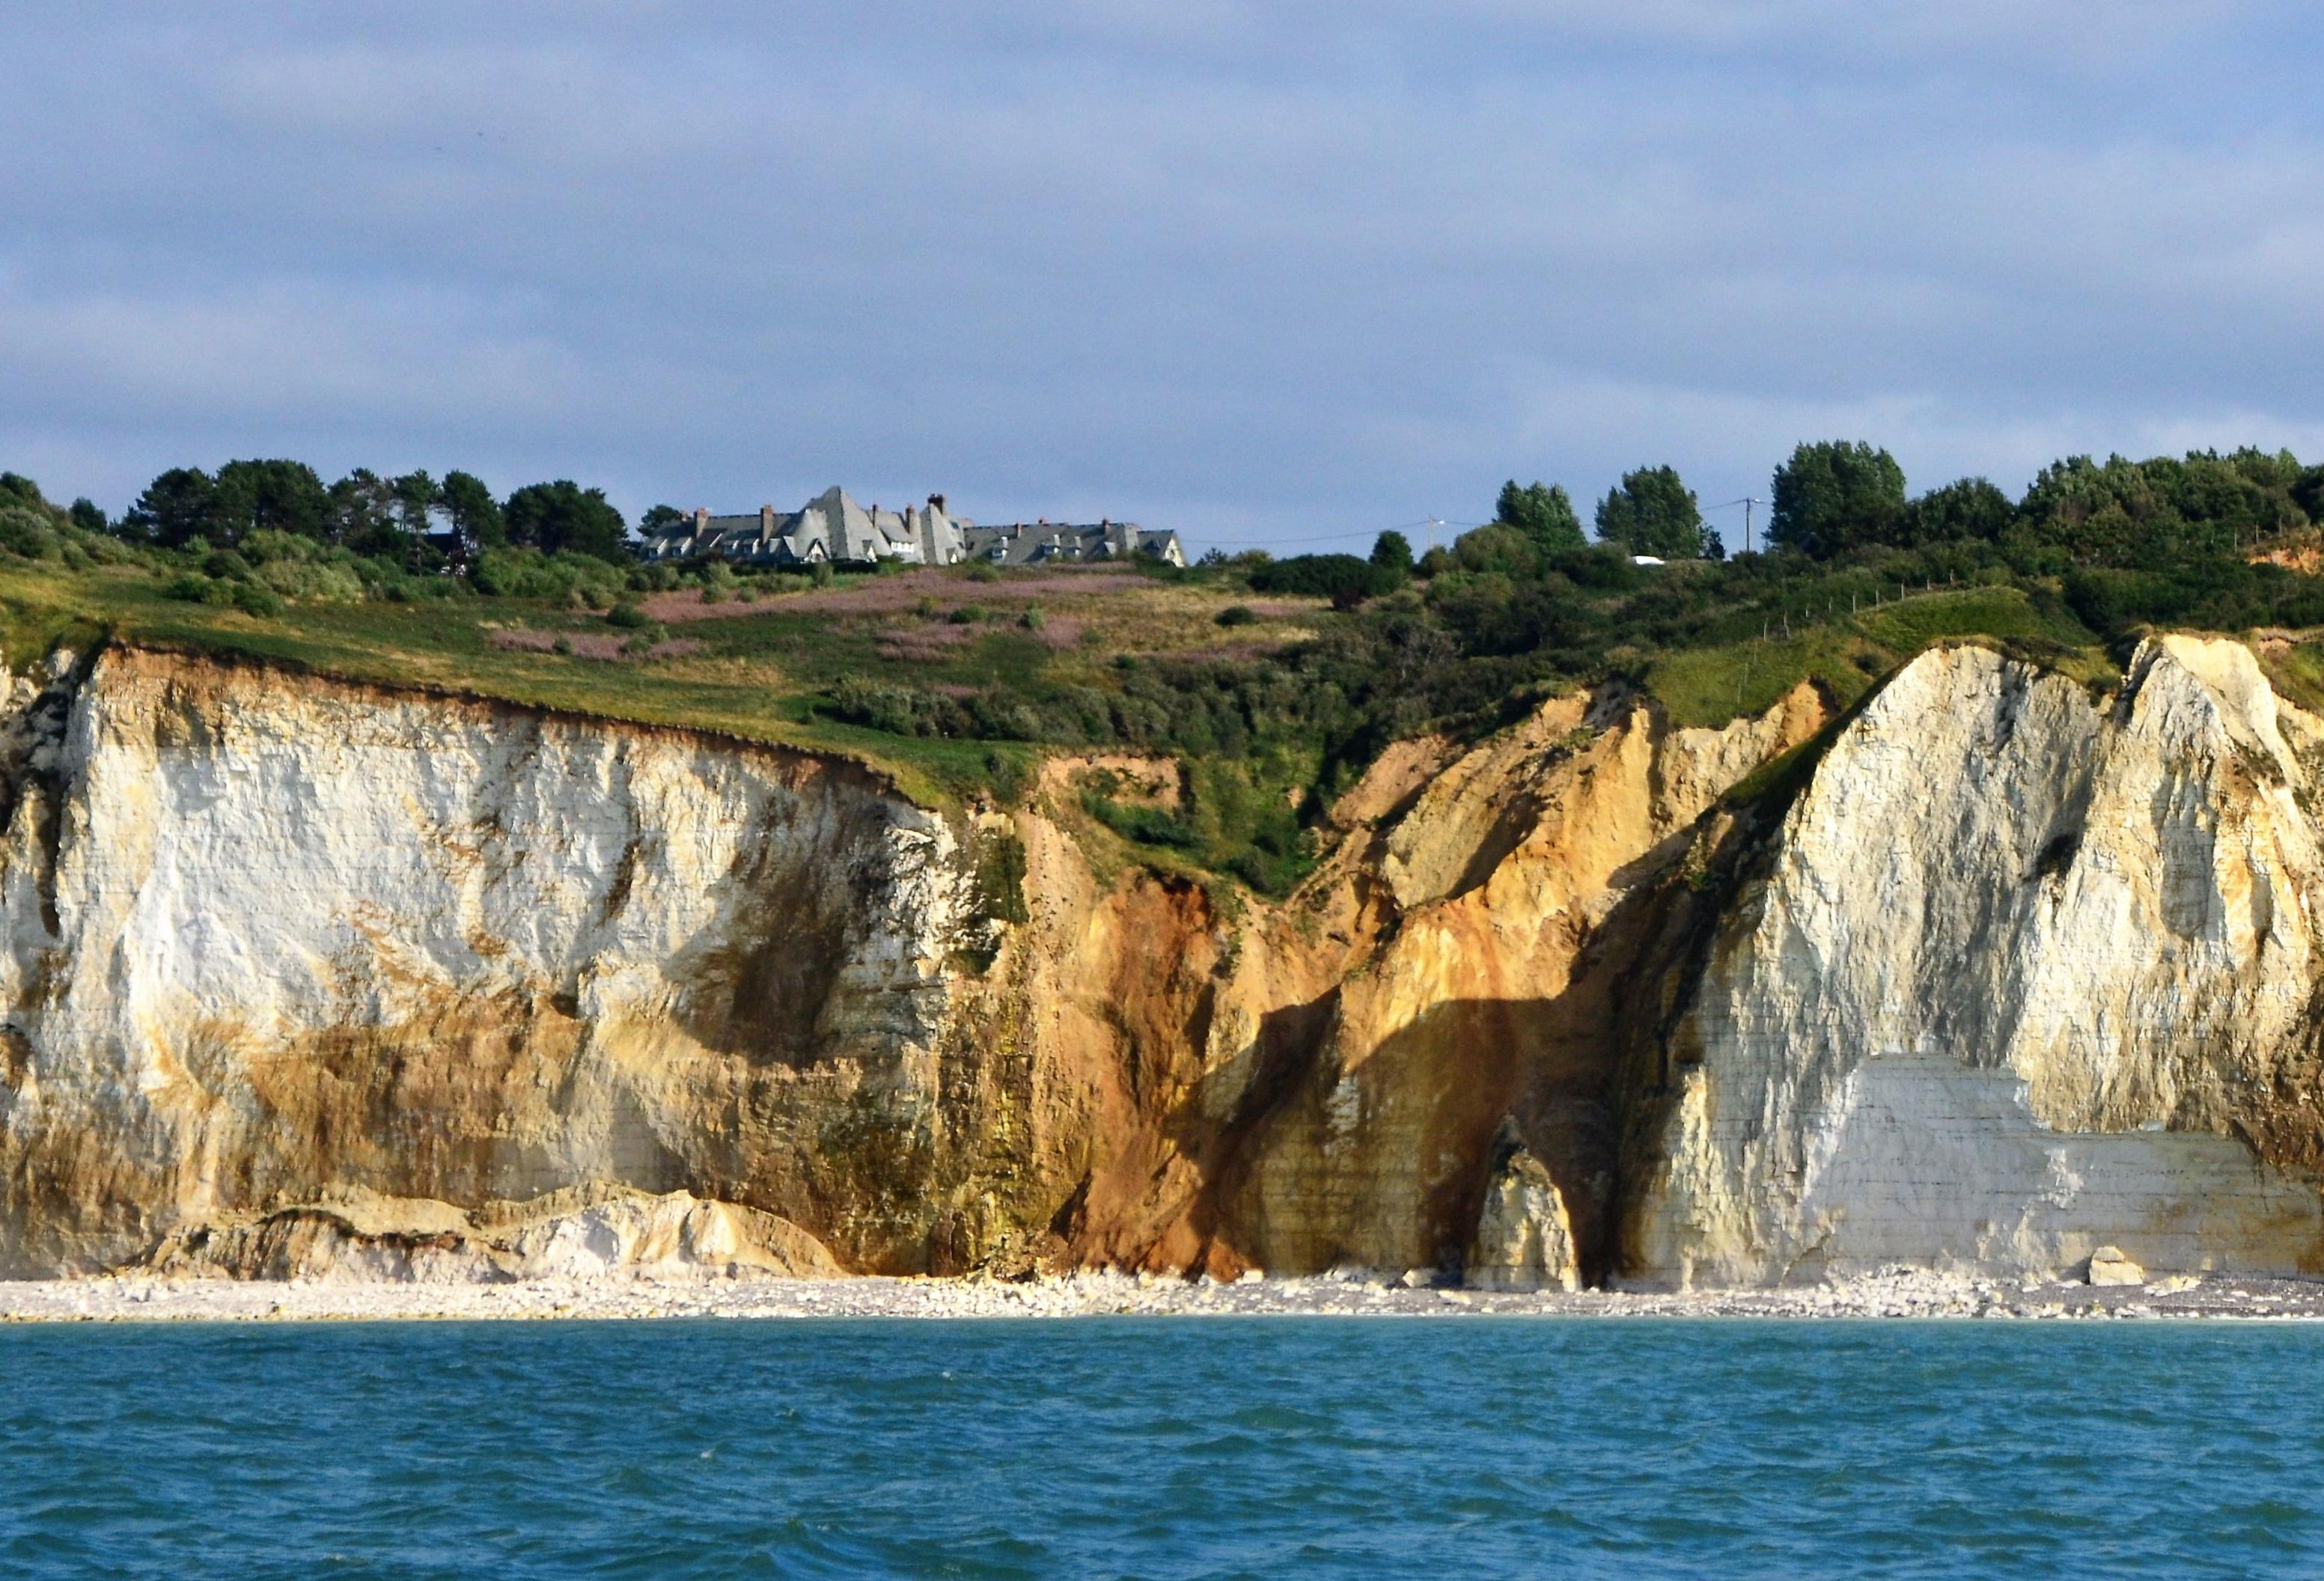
x: 955, y: 681
x: 749, y: 660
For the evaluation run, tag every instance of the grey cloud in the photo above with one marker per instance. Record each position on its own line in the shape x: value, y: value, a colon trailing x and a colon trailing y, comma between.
x: 1255, y: 269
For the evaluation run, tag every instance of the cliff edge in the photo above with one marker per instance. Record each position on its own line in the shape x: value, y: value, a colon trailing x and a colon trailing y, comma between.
x: 303, y: 975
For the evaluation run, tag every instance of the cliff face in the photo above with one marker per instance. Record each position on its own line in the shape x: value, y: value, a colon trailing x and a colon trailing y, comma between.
x: 306, y: 976
x: 268, y: 939
x: 2022, y: 973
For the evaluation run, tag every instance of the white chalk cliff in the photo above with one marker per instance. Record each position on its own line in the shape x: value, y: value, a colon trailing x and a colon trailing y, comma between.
x: 299, y: 976
x: 2025, y: 971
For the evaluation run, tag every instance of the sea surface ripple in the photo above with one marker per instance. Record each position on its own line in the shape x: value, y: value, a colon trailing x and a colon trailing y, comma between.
x: 1161, y: 1447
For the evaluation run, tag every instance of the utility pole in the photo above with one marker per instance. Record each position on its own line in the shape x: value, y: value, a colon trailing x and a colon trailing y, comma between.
x: 1746, y: 501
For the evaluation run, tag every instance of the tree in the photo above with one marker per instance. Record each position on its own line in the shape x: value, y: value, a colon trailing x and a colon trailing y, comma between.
x: 177, y: 507
x: 659, y: 517
x: 89, y: 516
x: 1543, y: 512
x: 475, y: 515
x: 417, y: 495
x: 1392, y: 551
x: 364, y: 515
x: 563, y: 515
x: 17, y: 489
x: 1654, y: 512
x: 1834, y: 496
x: 1969, y: 508
x: 2308, y: 493
x: 2156, y: 514
x: 1499, y: 551
x: 271, y: 496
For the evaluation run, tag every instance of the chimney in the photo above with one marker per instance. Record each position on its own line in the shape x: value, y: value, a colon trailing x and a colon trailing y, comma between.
x: 701, y: 517
x: 937, y: 501
x: 766, y: 518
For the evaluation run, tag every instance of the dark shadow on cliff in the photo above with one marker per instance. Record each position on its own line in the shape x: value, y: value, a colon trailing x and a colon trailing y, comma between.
x: 1386, y: 1162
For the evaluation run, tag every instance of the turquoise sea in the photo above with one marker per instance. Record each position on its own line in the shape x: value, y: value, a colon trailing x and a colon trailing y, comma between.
x: 1162, y: 1447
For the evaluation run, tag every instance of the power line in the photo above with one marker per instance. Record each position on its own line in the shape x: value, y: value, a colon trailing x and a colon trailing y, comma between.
x: 1371, y: 532
x: 1746, y: 501
x: 1361, y: 533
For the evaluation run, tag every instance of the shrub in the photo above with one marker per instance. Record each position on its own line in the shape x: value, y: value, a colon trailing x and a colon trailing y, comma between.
x: 1032, y: 620
x: 257, y: 598
x: 878, y: 704
x: 628, y: 616
x: 1236, y: 615
x: 27, y: 532
x: 1327, y: 575
x: 1148, y: 826
x: 527, y: 573
x: 318, y: 581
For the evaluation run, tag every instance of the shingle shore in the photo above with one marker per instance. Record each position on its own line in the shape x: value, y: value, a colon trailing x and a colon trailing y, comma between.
x: 1906, y: 1294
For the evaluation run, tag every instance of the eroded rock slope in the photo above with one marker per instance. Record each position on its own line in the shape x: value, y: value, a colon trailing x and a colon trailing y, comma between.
x: 305, y: 977
x: 2023, y: 972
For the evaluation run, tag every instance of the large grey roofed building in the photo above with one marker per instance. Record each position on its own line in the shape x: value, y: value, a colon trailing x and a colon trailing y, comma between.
x: 1035, y: 543
x: 832, y: 528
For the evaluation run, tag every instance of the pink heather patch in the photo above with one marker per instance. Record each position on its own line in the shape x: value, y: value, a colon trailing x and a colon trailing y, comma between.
x: 902, y: 591
x: 922, y: 644
x: 686, y: 604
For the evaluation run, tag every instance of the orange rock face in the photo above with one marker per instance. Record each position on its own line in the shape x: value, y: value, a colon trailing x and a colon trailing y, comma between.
x: 274, y: 943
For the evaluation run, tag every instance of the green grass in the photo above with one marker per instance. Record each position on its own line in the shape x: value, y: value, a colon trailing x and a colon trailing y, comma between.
x: 765, y: 671
x: 754, y: 672
x: 1845, y: 656
x: 2296, y: 670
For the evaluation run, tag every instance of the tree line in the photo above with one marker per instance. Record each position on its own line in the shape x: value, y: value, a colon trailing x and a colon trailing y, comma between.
x: 416, y: 519
x: 1836, y: 496
x: 1837, y: 503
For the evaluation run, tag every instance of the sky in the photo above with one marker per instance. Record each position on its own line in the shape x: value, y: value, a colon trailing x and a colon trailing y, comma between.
x: 1279, y: 274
